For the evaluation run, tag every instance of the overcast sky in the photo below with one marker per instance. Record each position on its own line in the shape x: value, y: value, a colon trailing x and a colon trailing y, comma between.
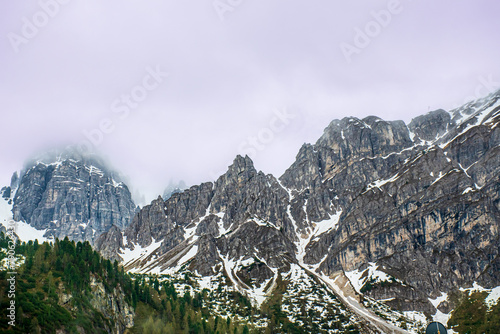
x: 175, y: 89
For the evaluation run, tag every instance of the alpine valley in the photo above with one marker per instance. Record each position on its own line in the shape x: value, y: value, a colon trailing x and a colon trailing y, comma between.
x: 378, y: 227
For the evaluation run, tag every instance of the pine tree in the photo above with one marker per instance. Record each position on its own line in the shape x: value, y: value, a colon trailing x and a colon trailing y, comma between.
x: 35, y: 327
x: 58, y: 264
x: 168, y: 311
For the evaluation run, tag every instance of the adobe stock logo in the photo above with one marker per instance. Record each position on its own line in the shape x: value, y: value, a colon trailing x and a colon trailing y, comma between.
x: 372, y: 29
x: 266, y: 135
x: 263, y: 138
x: 487, y: 85
x: 31, y: 26
x: 122, y: 106
x: 222, y: 7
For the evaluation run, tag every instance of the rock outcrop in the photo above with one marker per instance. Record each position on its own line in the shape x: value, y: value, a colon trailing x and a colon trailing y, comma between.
x: 112, y: 306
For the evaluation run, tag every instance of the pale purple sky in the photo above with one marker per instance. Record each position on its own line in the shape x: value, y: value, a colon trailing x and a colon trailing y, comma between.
x: 65, y: 67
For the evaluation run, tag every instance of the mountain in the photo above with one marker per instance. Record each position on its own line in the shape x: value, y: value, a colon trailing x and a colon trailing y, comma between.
x: 68, y: 193
x: 173, y: 188
x: 379, y: 226
x: 375, y: 211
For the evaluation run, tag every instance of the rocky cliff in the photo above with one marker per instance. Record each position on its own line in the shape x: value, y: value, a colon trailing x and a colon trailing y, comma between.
x: 71, y: 194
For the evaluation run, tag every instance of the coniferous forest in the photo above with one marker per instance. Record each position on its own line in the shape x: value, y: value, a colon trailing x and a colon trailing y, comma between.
x: 54, y: 292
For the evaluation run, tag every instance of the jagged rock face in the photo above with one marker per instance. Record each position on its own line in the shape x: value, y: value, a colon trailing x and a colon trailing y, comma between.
x: 147, y: 223
x: 109, y: 244
x: 112, y: 306
x: 209, y: 226
x: 72, y: 195
x: 421, y: 201
x: 242, y: 207
x: 431, y: 219
x: 243, y: 193
x: 346, y: 140
x: 167, y: 220
x: 207, y: 257
x: 5, y: 192
x: 263, y: 242
x: 430, y: 126
x: 189, y: 205
x: 476, y: 152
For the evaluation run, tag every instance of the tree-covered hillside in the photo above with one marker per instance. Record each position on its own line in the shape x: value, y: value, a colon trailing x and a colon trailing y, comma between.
x: 59, y: 287
x: 67, y: 287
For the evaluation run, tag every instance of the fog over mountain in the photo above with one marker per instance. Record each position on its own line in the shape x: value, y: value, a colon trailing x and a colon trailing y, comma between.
x: 213, y: 76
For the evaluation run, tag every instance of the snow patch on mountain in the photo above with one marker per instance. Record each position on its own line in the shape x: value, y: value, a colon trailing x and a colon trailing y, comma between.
x: 137, y: 253
x: 359, y: 278
x: 189, y: 255
x: 341, y: 289
x: 24, y: 231
x: 327, y: 225
x: 479, y: 115
x: 5, y: 212
x: 380, y: 183
x: 493, y: 294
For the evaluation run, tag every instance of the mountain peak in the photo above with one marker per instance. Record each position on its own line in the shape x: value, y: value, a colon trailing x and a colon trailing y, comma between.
x: 240, y: 171
x: 67, y: 192
x: 240, y: 165
x: 64, y: 153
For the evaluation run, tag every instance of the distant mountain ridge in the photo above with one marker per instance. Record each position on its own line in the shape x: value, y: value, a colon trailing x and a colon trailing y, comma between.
x: 173, y: 188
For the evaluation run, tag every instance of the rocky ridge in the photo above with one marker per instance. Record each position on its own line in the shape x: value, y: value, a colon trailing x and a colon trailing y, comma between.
x: 420, y: 201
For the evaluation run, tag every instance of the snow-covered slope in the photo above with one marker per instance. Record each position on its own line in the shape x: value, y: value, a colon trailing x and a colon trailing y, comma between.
x: 24, y: 231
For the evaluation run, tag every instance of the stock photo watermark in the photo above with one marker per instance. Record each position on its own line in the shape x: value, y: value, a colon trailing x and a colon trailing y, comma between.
x: 487, y: 85
x: 122, y: 106
x: 223, y: 7
x: 11, y: 273
x: 31, y: 26
x: 252, y: 145
x: 363, y: 37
